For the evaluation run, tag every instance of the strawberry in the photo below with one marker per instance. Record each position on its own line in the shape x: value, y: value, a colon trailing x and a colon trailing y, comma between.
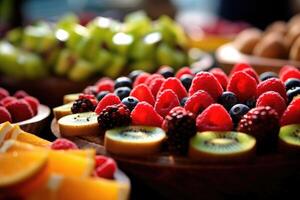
x: 7, y: 100
x: 105, y: 84
x: 144, y: 114
x: 152, y: 78
x: 20, y: 110
x: 272, y: 99
x: 108, y: 100
x: 183, y: 71
x: 198, y: 102
x: 33, y: 102
x: 239, y: 67
x: 165, y: 102
x: 4, y: 115
x: 20, y: 94
x: 141, y: 79
x: 175, y: 85
x: 107, y: 169
x: 292, y: 113
x: 272, y: 84
x: 3, y: 93
x: 143, y: 93
x: 63, y: 144
x: 220, y: 76
x: 155, y: 85
x: 290, y: 73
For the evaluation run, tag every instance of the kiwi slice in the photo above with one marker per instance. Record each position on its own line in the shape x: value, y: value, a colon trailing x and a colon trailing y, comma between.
x: 289, y: 138
x: 71, y: 97
x: 79, y: 124
x: 62, y: 111
x: 134, y: 140
x: 221, y: 146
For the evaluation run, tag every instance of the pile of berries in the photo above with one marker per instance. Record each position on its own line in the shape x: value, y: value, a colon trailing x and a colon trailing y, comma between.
x: 211, y: 100
x: 18, y: 107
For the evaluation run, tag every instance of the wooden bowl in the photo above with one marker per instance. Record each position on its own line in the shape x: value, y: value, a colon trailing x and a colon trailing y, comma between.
x: 227, y: 56
x: 37, y: 123
x: 264, y: 177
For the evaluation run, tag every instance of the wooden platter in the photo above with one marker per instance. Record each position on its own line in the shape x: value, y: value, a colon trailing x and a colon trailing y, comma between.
x: 264, y: 177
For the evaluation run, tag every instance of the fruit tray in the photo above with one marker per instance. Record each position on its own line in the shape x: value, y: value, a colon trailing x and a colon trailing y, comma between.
x: 227, y: 56
x: 274, y: 174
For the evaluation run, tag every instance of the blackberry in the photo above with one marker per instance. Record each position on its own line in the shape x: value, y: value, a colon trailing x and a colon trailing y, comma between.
x: 180, y: 126
x: 85, y: 103
x: 114, y: 116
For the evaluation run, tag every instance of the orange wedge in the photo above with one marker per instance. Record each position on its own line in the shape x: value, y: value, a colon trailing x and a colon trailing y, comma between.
x: 14, y: 145
x: 70, y: 188
x: 5, y: 131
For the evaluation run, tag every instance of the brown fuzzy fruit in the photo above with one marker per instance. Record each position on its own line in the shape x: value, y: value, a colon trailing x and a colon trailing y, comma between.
x: 247, y: 39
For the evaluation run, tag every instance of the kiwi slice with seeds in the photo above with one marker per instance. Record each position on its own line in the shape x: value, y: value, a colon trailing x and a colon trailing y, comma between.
x: 221, y: 146
x: 289, y: 138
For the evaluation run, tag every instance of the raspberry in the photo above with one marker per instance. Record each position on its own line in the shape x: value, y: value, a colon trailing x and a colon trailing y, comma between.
x: 165, y: 102
x: 4, y: 115
x: 272, y: 84
x: 272, y: 99
x: 198, y: 102
x: 105, y: 84
x: 140, y: 79
x: 85, y: 103
x: 143, y: 93
x: 152, y: 78
x: 220, y: 76
x: 90, y: 90
x: 284, y: 69
x: 242, y: 85
x: 239, y: 67
x: 180, y: 126
x: 106, y: 169
x: 263, y: 124
x: 20, y: 94
x: 100, y: 160
x: 7, y: 100
x: 214, y: 118
x: 3, y: 93
x: 144, y: 114
x: 183, y: 71
x: 252, y: 73
x: 175, y: 85
x: 63, y: 144
x: 20, y: 110
x: 291, y: 114
x: 108, y: 100
x: 155, y: 85
x: 291, y: 73
x: 206, y: 81
x: 114, y: 116
x: 33, y: 102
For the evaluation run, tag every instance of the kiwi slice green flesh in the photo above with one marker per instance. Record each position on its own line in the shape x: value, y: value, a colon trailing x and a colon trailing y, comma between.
x: 222, y: 143
x: 136, y: 134
x: 290, y: 134
x: 80, y: 118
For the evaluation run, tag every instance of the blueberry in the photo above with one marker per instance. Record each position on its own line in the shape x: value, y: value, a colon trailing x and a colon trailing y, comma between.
x: 266, y: 75
x: 130, y: 102
x: 292, y: 83
x: 122, y: 92
x: 123, y: 82
x: 166, y: 72
x: 291, y: 93
x: 135, y: 74
x: 186, y: 81
x: 228, y: 99
x: 237, y: 111
x: 183, y: 101
x: 102, y: 94
x: 251, y: 103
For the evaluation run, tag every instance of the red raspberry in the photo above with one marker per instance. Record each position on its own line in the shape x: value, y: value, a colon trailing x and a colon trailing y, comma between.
x: 63, y: 144
x: 141, y: 79
x: 4, y: 115
x: 220, y: 76
x: 175, y: 85
x: 165, y: 102
x: 100, y: 160
x: 252, y: 73
x: 183, y: 71
x: 214, y: 118
x: 7, y: 100
x: 239, y: 67
x: 290, y: 73
x: 285, y: 68
x: 105, y: 84
x: 206, y: 81
x: 152, y: 78
x: 272, y: 99
x: 33, y: 102
x: 90, y: 97
x: 155, y: 85
x: 144, y: 114
x: 272, y: 84
x: 291, y: 114
x: 90, y: 90
x: 143, y: 93
x: 242, y: 85
x: 20, y: 110
x: 20, y: 94
x: 3, y: 93
x: 107, y: 169
x: 198, y: 102
x: 108, y: 100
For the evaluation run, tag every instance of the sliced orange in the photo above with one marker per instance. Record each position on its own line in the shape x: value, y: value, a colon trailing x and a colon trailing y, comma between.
x: 5, y: 131
x: 16, y: 167
x: 14, y: 145
x: 70, y: 188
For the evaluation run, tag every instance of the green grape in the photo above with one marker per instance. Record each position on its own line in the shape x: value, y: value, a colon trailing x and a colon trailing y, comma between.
x: 165, y: 55
x: 8, y: 59
x: 14, y: 36
x: 164, y: 25
x: 116, y: 66
x: 75, y: 35
x: 180, y: 59
x: 81, y: 71
x: 121, y: 42
x: 145, y: 65
x: 67, y: 22
x: 65, y: 62
x: 99, y: 28
x: 102, y: 59
x: 137, y: 24
x: 33, y: 65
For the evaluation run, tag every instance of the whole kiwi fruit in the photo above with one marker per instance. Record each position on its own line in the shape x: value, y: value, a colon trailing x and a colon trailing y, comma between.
x: 247, y: 39
x: 278, y: 27
x: 295, y: 50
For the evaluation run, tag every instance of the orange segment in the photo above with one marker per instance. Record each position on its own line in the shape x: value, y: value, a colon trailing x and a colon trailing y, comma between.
x: 16, y: 167
x: 5, y: 131
x: 14, y: 145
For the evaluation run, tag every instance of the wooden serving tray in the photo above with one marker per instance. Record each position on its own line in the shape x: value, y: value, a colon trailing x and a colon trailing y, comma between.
x: 264, y: 177
x: 227, y: 56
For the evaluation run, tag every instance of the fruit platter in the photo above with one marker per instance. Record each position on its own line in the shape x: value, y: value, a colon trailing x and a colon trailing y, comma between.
x: 218, y: 133
x: 267, y: 50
